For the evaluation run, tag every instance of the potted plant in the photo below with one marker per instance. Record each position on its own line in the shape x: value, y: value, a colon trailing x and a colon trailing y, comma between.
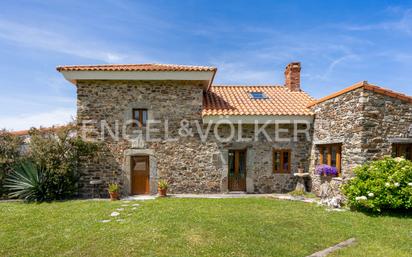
x: 162, y: 187
x: 113, y: 191
x: 326, y: 170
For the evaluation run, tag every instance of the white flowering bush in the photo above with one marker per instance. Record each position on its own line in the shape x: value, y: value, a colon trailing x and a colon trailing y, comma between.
x: 381, y: 185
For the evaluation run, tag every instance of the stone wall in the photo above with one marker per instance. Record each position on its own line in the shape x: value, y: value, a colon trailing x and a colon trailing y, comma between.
x: 385, y: 118
x: 260, y: 175
x: 188, y: 164
x: 363, y: 122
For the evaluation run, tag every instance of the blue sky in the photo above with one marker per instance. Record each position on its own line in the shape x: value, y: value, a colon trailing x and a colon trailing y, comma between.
x: 337, y: 42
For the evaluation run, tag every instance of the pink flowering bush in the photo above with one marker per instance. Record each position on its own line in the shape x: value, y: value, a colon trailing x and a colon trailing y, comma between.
x: 381, y: 185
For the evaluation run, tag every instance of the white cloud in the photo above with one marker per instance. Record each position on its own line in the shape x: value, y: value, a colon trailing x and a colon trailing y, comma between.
x: 40, y: 38
x: 332, y: 66
x: 44, y: 119
x: 404, y: 24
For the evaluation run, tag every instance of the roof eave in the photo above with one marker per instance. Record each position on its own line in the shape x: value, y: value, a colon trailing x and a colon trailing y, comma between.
x: 336, y: 94
x: 258, y: 119
x: 206, y: 76
x: 367, y: 86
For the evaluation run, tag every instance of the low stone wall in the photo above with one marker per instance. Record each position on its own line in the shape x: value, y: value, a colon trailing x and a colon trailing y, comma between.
x: 326, y: 186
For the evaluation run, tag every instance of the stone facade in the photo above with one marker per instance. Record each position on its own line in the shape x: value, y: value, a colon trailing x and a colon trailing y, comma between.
x: 188, y: 164
x: 113, y: 101
x: 260, y: 175
x: 364, y: 122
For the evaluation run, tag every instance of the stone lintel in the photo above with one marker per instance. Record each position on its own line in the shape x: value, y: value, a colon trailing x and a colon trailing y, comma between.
x: 327, y: 142
x: 401, y: 140
x: 132, y: 152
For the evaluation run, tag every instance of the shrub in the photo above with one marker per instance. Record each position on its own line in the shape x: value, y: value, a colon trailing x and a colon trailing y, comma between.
x: 60, y: 154
x: 27, y: 182
x: 381, y: 185
x: 10, y: 146
x: 57, y: 156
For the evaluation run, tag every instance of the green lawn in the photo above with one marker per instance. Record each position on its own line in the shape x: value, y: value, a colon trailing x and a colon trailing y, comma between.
x: 195, y: 227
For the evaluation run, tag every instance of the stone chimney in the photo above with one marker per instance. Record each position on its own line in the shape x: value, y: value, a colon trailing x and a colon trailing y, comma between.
x: 292, y: 76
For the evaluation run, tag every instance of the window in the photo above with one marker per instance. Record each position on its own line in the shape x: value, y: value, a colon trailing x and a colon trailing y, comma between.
x: 281, y: 161
x: 258, y: 95
x: 402, y: 150
x: 331, y: 155
x: 140, y: 117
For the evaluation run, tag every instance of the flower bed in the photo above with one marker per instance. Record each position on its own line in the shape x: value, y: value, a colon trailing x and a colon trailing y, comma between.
x: 326, y: 170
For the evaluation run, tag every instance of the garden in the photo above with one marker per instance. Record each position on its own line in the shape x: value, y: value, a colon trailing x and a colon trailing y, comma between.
x: 196, y: 227
x: 44, y: 166
x: 46, y: 169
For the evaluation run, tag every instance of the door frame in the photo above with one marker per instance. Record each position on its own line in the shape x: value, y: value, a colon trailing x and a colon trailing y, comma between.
x: 132, y: 162
x: 236, y: 167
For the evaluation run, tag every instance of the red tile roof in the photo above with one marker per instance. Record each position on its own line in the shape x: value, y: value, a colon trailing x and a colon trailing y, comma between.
x: 236, y: 100
x: 20, y: 133
x: 365, y: 85
x: 135, y: 67
x: 41, y: 129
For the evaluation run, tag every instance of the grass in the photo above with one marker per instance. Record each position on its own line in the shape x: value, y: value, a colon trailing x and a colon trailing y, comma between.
x: 302, y: 193
x: 196, y: 227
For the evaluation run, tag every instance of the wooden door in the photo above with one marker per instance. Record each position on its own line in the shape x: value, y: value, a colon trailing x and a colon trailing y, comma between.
x: 140, y: 175
x: 237, y: 170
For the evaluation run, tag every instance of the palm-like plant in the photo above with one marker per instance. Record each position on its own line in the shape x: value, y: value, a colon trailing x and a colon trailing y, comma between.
x: 26, y: 182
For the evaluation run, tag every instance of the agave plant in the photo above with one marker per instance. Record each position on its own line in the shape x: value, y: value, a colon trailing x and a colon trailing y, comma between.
x: 26, y: 182
x: 162, y: 184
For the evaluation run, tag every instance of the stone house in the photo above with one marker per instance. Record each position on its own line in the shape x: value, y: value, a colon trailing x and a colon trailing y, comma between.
x: 171, y: 122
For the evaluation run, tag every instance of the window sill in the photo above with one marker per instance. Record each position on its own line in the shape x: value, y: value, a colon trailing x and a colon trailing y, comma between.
x: 332, y: 177
x: 282, y: 173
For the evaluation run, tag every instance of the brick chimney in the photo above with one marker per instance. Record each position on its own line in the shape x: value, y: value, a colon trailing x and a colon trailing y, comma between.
x: 292, y: 76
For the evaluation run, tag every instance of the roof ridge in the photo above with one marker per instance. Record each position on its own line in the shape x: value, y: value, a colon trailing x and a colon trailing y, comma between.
x: 366, y: 85
x: 243, y: 85
x: 135, y: 67
x: 183, y: 65
x: 133, y: 64
x: 388, y: 92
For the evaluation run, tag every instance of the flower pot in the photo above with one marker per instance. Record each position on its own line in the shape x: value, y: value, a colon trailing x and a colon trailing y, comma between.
x: 114, y: 196
x: 162, y: 192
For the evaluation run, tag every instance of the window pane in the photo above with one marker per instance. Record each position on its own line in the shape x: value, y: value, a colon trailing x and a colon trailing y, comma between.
x: 333, y: 156
x: 144, y: 117
x: 394, y: 152
x: 136, y: 116
x: 231, y: 164
x: 276, y: 161
x: 408, y: 149
x: 325, y: 155
x: 140, y: 165
x: 242, y: 161
x: 285, y: 161
x: 258, y: 95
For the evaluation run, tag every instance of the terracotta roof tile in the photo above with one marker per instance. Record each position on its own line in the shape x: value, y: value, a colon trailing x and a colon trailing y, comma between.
x: 135, y: 67
x: 367, y: 86
x: 41, y: 129
x: 236, y: 100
